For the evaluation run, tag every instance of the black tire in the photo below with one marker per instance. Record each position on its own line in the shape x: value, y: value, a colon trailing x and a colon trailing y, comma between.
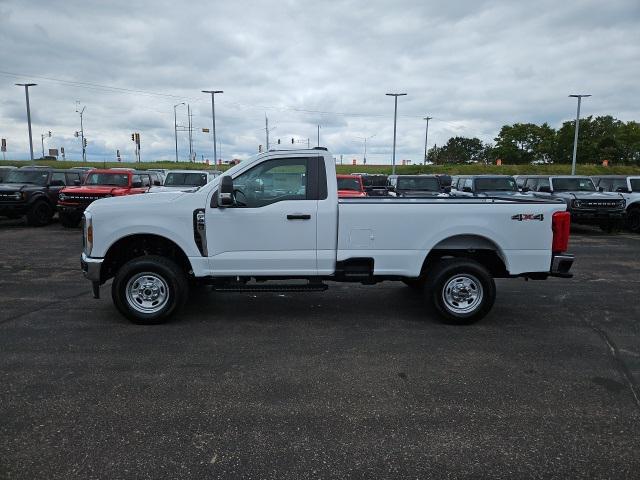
x: 450, y: 274
x: 160, y: 274
x: 40, y: 214
x: 68, y: 220
x: 633, y: 219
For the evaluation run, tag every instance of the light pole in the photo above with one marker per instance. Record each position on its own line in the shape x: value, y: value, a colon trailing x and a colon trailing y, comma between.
x: 426, y: 137
x: 575, y: 137
x: 318, y: 135
x: 84, y: 145
x: 42, y: 137
x: 364, y: 157
x: 213, y: 120
x: 26, y: 94
x: 175, y: 127
x: 395, y: 121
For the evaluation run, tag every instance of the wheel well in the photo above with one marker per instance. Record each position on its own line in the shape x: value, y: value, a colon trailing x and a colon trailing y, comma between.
x: 134, y: 246
x: 487, y: 258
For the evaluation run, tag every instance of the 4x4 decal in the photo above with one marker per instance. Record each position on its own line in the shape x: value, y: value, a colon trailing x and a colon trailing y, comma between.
x: 528, y: 216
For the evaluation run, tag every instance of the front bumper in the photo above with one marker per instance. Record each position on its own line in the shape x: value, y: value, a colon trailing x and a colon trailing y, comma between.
x: 13, y: 208
x: 91, y: 267
x: 596, y: 217
x: 72, y: 209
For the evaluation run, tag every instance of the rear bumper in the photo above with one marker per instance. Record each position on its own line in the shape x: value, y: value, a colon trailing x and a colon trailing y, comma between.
x: 561, y: 264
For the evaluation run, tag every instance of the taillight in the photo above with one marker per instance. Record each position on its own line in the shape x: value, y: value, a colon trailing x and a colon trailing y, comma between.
x: 561, y: 225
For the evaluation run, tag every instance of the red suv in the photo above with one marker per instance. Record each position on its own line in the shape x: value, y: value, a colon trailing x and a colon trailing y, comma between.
x: 99, y: 184
x: 350, y: 186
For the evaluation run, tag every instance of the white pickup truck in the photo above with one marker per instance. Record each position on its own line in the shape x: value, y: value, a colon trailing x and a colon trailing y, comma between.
x: 274, y: 223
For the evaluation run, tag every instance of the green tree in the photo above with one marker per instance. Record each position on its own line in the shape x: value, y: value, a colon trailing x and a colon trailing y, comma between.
x: 525, y: 142
x: 461, y: 150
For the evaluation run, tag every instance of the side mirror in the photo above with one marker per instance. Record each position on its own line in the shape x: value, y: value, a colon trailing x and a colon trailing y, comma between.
x: 525, y: 189
x: 156, y: 183
x: 601, y: 189
x: 447, y: 189
x: 445, y: 180
x: 76, y: 183
x: 136, y: 185
x: 467, y: 189
x: 225, y: 192
x: 544, y: 189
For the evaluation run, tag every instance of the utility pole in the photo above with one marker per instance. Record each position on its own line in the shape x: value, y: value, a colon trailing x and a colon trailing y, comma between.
x: 190, y: 137
x: 42, y: 136
x: 266, y: 129
x: 575, y: 137
x: 26, y: 94
x: 213, y: 120
x: 175, y: 126
x: 83, y: 143
x: 364, y: 157
x: 395, y: 121
x: 426, y: 137
x: 318, y: 135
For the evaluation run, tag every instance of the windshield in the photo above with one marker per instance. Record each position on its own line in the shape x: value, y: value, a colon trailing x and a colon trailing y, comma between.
x: 428, y: 184
x: 573, y: 185
x: 27, y: 176
x: 111, y: 179
x: 349, y: 184
x: 186, y: 179
x: 635, y: 184
x: 498, y: 184
x: 374, y: 180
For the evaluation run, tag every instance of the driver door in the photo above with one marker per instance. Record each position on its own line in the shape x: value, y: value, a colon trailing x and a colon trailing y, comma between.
x: 271, y: 229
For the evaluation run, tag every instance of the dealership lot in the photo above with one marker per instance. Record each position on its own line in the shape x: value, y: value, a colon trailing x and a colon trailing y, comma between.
x: 355, y: 382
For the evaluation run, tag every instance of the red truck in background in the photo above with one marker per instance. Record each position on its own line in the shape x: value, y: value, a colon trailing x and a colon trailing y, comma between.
x: 99, y: 183
x: 350, y: 186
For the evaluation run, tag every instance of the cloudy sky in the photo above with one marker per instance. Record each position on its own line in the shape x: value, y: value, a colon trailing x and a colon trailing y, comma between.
x: 472, y: 65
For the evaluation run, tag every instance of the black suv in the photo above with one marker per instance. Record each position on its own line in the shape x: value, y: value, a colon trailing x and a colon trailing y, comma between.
x: 374, y: 184
x: 486, y: 186
x: 34, y: 192
x: 587, y: 205
x: 418, y: 185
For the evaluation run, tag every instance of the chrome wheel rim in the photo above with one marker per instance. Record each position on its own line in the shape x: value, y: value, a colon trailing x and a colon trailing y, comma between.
x: 147, y: 292
x: 462, y: 294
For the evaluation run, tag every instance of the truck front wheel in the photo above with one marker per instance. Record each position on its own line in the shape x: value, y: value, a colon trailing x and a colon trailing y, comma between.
x: 461, y: 290
x: 149, y: 290
x: 633, y: 219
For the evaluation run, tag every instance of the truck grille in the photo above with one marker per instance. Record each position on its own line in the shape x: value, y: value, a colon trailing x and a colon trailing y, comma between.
x: 600, y: 204
x: 81, y: 198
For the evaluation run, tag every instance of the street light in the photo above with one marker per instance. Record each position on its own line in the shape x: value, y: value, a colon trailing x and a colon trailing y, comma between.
x: 575, y: 137
x: 426, y: 136
x: 26, y: 94
x: 82, y: 140
x: 395, y: 121
x: 364, y: 158
x: 213, y: 120
x: 175, y: 127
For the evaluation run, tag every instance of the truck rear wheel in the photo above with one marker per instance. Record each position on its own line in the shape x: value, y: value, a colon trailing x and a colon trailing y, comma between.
x: 149, y: 290
x: 39, y: 214
x: 461, y: 290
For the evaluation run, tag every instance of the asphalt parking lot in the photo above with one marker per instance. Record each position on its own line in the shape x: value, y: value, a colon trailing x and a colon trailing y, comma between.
x: 356, y: 382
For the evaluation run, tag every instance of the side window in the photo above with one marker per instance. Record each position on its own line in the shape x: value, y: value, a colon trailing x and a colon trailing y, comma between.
x: 58, y: 178
x: 618, y: 183
x: 468, y: 182
x: 605, y: 184
x: 531, y: 183
x: 72, y: 177
x: 543, y: 182
x: 272, y: 181
x: 136, y: 178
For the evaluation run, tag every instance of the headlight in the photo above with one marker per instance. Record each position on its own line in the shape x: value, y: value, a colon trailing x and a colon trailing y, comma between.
x: 62, y: 197
x: 87, y: 233
x: 577, y: 203
x: 623, y: 203
x: 17, y: 196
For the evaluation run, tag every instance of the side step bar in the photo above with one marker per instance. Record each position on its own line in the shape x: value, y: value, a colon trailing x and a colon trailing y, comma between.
x: 311, y: 287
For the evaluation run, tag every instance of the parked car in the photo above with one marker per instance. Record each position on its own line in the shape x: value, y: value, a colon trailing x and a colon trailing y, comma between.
x: 34, y: 192
x: 487, y: 186
x: 277, y: 217
x: 350, y: 186
x: 84, y: 171
x: 586, y: 205
x: 629, y: 188
x: 375, y: 185
x: 100, y: 183
x: 4, y: 170
x: 181, y: 180
x: 418, y: 185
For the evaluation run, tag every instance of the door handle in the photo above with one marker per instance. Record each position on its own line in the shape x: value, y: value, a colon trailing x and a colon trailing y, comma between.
x: 298, y: 216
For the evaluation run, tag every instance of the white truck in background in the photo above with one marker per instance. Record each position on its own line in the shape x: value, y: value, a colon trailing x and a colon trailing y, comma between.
x: 276, y: 219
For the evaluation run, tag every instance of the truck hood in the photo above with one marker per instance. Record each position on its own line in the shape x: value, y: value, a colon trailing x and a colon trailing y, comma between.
x: 587, y: 195
x: 160, y: 198
x: 95, y: 189
x: 177, y: 188
x: 500, y: 193
x: 418, y: 193
x: 19, y: 187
